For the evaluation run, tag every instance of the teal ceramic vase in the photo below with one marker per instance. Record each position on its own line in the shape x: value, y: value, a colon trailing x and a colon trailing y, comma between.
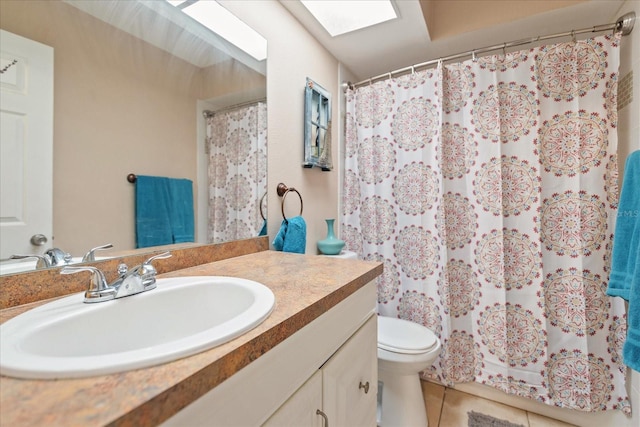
x: 331, y: 245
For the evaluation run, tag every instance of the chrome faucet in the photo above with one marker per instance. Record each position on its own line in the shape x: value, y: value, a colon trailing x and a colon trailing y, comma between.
x: 129, y: 282
x: 91, y: 256
x: 43, y: 260
x: 58, y: 257
x: 53, y: 257
x: 139, y: 279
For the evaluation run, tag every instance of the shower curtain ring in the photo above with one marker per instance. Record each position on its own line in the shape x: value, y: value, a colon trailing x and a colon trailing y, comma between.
x: 573, y: 36
x: 413, y: 70
x: 473, y: 56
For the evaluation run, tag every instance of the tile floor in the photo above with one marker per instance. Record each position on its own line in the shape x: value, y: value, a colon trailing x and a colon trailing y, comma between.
x: 448, y: 408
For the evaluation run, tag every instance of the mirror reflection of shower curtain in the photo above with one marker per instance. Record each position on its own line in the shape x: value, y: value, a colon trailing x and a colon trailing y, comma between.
x: 237, y: 148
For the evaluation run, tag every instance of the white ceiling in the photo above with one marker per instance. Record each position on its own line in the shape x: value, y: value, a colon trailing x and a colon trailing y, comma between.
x: 405, y: 41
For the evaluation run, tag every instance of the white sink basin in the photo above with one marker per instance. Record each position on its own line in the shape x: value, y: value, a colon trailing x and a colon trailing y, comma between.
x: 68, y: 338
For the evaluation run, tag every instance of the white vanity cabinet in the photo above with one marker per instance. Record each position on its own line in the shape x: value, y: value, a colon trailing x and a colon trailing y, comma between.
x: 344, y: 389
x: 325, y: 365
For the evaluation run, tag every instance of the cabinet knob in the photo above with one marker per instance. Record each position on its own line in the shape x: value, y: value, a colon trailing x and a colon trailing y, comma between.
x: 365, y: 386
x: 323, y: 415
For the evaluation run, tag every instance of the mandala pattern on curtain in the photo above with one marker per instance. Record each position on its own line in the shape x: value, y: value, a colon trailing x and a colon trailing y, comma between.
x: 237, y: 149
x: 488, y: 189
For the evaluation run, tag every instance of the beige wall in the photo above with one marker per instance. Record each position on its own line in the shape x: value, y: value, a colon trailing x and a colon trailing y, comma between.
x: 121, y: 106
x: 294, y: 55
x: 629, y: 116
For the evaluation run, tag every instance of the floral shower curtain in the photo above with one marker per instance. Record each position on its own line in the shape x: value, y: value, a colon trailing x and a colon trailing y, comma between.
x: 237, y: 149
x: 488, y: 189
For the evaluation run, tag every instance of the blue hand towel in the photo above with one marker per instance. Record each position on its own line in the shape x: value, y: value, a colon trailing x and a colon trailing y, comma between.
x: 164, y: 211
x: 624, y: 280
x: 181, y: 210
x: 292, y: 236
x: 263, y: 230
x: 626, y: 241
x: 153, y: 226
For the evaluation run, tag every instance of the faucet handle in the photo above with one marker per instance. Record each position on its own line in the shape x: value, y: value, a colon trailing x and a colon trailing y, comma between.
x: 90, y: 256
x: 122, y: 269
x: 98, y: 289
x: 43, y: 260
x: 148, y: 272
x: 159, y: 256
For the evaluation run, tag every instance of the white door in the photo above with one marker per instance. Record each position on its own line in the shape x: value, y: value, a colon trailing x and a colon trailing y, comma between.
x: 26, y: 145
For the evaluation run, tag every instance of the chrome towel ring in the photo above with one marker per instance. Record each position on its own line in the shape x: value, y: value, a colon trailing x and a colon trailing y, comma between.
x: 283, y: 190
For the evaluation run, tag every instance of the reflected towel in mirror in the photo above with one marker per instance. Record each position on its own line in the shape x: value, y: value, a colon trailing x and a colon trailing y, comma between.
x: 164, y: 211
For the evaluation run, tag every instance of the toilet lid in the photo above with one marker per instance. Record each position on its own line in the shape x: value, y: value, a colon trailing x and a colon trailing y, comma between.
x: 403, y: 336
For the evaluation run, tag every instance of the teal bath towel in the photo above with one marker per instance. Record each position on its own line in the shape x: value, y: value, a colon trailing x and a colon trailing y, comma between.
x: 263, y: 230
x: 181, y: 210
x: 292, y: 236
x: 164, y: 211
x: 624, y: 280
x: 626, y: 238
x: 631, y: 350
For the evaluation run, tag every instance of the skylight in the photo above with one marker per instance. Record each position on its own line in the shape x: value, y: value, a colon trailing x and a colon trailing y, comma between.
x: 224, y: 23
x: 340, y: 17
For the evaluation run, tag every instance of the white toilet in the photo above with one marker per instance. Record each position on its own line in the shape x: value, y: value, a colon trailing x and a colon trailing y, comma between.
x: 404, y: 349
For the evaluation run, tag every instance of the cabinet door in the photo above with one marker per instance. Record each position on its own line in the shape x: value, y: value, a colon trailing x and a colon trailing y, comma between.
x: 350, y: 380
x: 300, y: 409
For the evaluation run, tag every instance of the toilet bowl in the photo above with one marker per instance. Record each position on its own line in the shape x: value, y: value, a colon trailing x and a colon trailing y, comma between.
x: 404, y: 349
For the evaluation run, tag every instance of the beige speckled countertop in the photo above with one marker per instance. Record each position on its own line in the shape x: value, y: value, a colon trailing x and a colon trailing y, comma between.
x: 304, y: 286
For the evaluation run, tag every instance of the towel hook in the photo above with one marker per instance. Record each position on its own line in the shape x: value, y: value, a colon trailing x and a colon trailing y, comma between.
x: 283, y: 190
x: 132, y: 178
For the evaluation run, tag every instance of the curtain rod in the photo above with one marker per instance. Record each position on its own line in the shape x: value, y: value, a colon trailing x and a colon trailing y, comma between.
x: 209, y: 113
x: 624, y: 24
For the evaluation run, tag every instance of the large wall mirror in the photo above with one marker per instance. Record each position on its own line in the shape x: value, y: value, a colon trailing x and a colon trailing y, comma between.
x: 141, y: 87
